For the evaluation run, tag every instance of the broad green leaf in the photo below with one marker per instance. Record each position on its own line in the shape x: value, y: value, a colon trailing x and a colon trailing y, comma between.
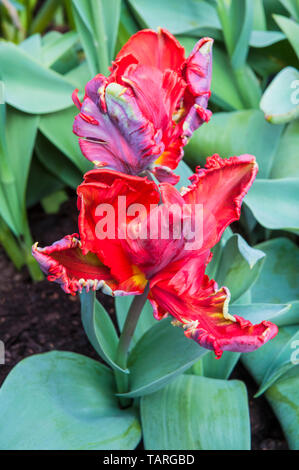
x: 176, y: 16
x: 197, y: 413
x: 279, y: 278
x: 265, y: 38
x: 281, y: 363
x: 33, y: 46
x: 83, y: 18
x: 286, y: 161
x: 279, y: 102
x: 62, y: 400
x: 99, y: 328
x: 239, y: 266
x: 212, y: 267
x: 236, y: 20
x: 111, y: 12
x: 273, y: 203
x: 160, y: 355
x: 283, y: 396
x: 290, y: 316
x: 146, y: 319
x: 54, y: 50
x: 256, y: 312
x: 56, y: 162
x: 58, y: 129
x: 249, y: 86
x: 236, y: 133
x: 224, y: 87
x: 259, y: 361
x: 219, y: 368
x: 79, y: 76
x: 39, y: 90
x: 290, y: 29
x: 259, y: 16
x: 97, y: 24
x: 21, y: 132
x: 292, y: 6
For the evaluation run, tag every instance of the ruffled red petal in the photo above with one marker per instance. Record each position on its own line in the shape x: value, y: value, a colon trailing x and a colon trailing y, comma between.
x: 204, y: 315
x: 157, y: 49
x: 220, y: 188
x: 119, y: 191
x: 64, y: 262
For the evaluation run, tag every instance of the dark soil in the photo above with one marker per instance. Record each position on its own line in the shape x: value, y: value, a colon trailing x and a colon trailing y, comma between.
x: 40, y: 317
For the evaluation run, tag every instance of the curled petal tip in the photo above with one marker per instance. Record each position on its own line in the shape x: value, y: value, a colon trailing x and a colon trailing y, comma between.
x: 75, y: 99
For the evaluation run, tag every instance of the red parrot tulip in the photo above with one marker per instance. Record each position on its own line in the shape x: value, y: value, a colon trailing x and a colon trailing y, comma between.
x: 141, y: 116
x: 174, y: 266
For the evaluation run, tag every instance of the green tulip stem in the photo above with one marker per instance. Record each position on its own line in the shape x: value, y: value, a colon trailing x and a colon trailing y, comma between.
x: 122, y: 379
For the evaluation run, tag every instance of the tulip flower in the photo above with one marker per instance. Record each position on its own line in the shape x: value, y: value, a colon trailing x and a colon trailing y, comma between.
x: 136, y: 256
x: 142, y: 115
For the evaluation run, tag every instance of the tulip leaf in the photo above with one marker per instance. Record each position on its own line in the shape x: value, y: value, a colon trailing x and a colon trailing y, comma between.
x: 196, y: 413
x: 273, y: 201
x: 289, y: 143
x: 239, y: 266
x: 146, y: 319
x: 99, y: 328
x: 55, y: 49
x: 83, y: 18
x: 29, y: 86
x: 97, y: 24
x: 61, y: 400
x: 79, y: 76
x: 236, y: 133
x: 219, y: 368
x: 176, y: 16
x: 58, y: 129
x: 236, y: 20
x: 281, y: 364
x: 20, y: 132
x: 279, y: 279
x: 265, y: 38
x: 33, y: 46
x: 212, y: 267
x: 160, y: 355
x: 290, y: 29
x: 292, y: 6
x: 257, y: 313
x: 57, y: 163
x: 283, y: 395
x: 280, y: 103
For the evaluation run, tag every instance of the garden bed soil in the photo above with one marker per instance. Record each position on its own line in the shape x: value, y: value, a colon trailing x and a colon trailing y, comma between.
x: 40, y: 317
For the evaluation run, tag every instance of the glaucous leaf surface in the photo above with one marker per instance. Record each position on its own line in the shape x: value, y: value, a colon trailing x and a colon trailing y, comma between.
x: 61, y: 400
x: 40, y: 90
x: 195, y: 413
x: 161, y: 354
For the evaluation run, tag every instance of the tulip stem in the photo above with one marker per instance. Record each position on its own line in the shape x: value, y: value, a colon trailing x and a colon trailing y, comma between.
x: 122, y: 379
